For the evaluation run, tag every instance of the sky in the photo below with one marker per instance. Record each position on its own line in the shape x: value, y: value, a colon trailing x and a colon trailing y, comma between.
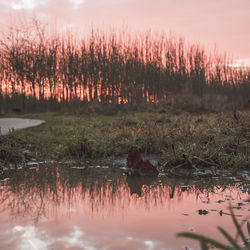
x: 224, y: 23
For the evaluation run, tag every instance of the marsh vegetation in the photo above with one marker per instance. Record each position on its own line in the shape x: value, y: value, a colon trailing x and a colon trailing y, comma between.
x: 216, y: 139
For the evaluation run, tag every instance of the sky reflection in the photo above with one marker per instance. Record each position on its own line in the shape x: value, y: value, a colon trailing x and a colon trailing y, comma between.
x: 50, y: 208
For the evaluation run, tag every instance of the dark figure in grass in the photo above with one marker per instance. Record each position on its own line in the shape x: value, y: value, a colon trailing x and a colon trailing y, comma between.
x: 136, y: 165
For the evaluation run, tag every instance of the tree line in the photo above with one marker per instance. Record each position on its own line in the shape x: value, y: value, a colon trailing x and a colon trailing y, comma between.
x: 38, y: 68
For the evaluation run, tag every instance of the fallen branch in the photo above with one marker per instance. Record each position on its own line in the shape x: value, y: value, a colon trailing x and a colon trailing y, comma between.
x: 206, y: 162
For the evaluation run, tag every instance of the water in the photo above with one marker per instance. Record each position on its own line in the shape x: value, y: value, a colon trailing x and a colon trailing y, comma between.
x: 51, y: 207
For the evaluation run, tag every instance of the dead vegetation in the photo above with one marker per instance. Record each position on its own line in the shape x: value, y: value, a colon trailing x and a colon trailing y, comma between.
x: 187, y: 140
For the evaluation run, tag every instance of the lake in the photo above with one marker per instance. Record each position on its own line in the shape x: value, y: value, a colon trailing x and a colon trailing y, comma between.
x: 52, y: 206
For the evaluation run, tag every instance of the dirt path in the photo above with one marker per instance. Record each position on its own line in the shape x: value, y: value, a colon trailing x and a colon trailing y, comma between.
x: 17, y: 123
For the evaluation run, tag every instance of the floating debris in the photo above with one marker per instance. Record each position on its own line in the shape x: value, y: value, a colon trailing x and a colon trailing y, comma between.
x: 206, y: 202
x: 220, y: 201
x: 238, y: 208
x: 240, y: 204
x: 81, y: 168
x: 202, y: 212
x: 123, y: 168
x: 105, y: 167
x: 31, y: 163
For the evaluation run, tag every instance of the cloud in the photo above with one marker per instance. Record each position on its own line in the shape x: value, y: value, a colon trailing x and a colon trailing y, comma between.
x: 33, y: 238
x: 22, y: 4
x: 77, y: 3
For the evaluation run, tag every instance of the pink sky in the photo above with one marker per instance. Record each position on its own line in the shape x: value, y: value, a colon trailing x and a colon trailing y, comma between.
x: 222, y: 22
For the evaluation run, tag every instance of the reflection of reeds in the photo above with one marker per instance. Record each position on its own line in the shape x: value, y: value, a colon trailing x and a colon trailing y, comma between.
x: 39, y: 192
x: 113, y: 68
x: 207, y: 243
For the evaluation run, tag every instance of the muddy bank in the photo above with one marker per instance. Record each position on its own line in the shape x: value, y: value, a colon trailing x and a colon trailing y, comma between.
x: 168, y: 169
x: 7, y: 124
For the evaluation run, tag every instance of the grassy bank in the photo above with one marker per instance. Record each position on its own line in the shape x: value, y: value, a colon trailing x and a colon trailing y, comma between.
x: 221, y: 139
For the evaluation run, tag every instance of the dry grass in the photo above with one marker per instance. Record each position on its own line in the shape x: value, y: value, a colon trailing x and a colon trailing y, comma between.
x: 216, y: 138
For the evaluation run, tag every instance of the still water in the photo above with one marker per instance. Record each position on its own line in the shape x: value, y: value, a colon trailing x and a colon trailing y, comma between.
x: 59, y: 207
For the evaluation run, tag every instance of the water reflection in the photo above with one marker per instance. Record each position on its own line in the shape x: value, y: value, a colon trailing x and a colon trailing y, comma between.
x: 137, y: 183
x: 39, y: 191
x: 87, y: 200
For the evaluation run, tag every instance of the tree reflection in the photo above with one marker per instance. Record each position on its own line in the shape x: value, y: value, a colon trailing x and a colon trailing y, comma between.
x: 49, y: 190
x: 136, y: 183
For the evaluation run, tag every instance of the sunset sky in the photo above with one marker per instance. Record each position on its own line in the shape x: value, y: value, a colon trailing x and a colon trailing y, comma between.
x: 222, y: 22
